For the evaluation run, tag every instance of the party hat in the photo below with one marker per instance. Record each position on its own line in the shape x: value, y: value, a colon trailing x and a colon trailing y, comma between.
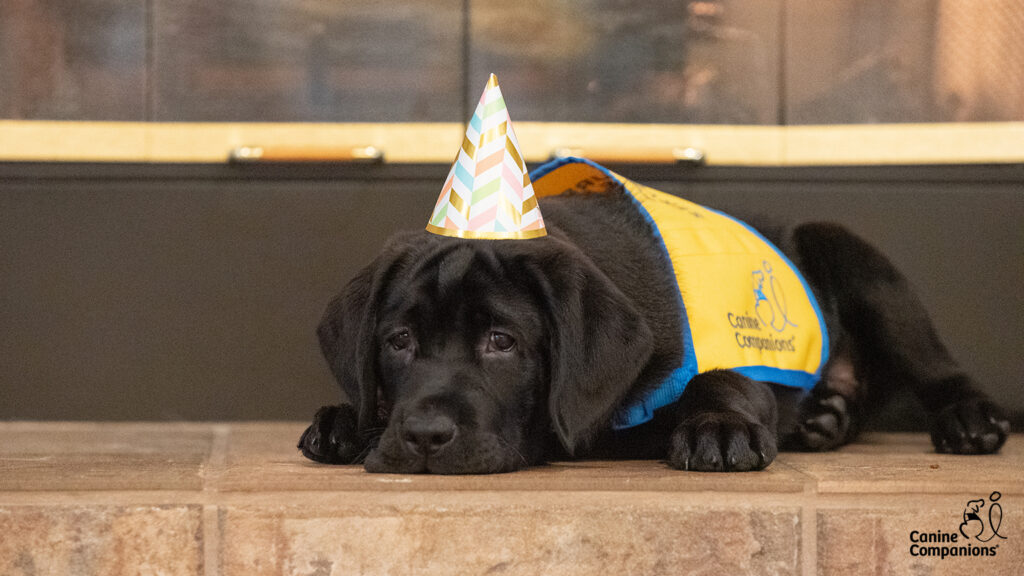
x: 488, y: 193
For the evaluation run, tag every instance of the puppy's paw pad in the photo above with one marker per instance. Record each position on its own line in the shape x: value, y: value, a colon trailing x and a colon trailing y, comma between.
x: 721, y: 442
x: 825, y: 423
x: 332, y: 438
x: 974, y: 426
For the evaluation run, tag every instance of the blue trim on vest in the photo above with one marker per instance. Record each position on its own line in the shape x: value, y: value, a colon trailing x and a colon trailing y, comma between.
x: 791, y: 378
x: 671, y: 389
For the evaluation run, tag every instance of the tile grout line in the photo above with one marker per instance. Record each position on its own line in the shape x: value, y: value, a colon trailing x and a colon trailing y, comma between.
x: 808, y: 551
x: 809, y: 531
x: 215, y: 465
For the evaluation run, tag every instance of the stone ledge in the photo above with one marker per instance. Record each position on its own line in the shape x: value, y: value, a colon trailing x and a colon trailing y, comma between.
x: 226, y: 499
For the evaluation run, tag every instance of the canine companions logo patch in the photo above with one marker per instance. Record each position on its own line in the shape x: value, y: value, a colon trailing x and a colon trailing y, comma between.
x: 771, y: 312
x: 770, y: 299
x: 977, y: 535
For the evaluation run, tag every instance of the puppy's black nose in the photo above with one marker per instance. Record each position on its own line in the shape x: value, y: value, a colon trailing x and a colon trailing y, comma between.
x: 425, y: 435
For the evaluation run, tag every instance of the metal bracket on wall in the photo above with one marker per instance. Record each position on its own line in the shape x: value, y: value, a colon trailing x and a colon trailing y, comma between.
x: 688, y: 155
x: 360, y: 154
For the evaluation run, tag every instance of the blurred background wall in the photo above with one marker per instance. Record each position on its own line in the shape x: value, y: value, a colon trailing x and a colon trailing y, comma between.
x: 188, y: 291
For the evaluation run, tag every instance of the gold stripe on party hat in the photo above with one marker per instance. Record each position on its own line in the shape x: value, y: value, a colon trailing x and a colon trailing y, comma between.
x: 488, y: 194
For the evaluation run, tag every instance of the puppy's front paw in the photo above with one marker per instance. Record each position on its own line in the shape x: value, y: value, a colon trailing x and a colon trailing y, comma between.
x: 333, y: 437
x: 974, y: 426
x: 721, y: 442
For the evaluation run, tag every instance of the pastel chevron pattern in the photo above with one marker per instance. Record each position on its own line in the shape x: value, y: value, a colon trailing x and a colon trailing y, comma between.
x: 488, y: 193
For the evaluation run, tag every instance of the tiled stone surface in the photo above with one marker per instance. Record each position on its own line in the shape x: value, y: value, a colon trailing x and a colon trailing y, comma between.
x: 107, y: 540
x: 521, y: 534
x: 907, y: 464
x: 224, y: 499
x: 84, y: 456
x: 877, y: 541
x: 263, y: 457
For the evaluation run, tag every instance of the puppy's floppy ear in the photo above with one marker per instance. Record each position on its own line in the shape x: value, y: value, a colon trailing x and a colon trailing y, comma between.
x: 600, y: 342
x: 347, y: 329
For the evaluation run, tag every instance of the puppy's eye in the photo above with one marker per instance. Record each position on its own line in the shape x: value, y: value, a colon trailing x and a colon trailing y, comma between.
x: 502, y: 342
x: 401, y: 340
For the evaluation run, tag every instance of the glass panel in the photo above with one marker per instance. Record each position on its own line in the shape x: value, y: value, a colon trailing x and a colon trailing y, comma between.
x: 664, y: 61
x: 280, y: 60
x: 904, y: 61
x: 72, y: 59
x: 979, y: 60
x: 710, y: 61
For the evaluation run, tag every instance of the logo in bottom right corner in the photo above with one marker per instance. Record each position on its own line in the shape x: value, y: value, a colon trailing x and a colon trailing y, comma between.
x: 974, y: 525
x: 977, y: 535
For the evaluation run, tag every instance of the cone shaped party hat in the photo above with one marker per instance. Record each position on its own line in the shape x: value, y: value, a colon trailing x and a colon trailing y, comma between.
x: 488, y: 193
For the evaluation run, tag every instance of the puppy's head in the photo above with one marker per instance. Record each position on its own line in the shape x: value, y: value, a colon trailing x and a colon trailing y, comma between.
x: 465, y: 356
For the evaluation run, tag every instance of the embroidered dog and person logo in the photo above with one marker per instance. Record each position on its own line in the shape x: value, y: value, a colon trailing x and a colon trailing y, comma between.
x: 770, y: 303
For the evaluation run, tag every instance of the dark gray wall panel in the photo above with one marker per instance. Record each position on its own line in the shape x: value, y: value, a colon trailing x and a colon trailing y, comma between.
x: 164, y: 292
x: 197, y: 301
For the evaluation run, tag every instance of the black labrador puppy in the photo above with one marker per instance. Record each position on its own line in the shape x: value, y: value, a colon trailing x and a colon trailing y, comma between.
x: 481, y: 356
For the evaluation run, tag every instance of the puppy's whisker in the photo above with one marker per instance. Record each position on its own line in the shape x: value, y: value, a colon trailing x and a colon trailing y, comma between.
x: 361, y: 457
x: 371, y: 434
x: 512, y: 448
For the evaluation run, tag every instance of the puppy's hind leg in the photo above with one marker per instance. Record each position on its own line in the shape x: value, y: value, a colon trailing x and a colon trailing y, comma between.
x: 832, y: 414
x: 892, y: 339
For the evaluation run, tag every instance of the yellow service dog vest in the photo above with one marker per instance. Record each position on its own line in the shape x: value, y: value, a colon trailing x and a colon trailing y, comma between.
x: 745, y: 306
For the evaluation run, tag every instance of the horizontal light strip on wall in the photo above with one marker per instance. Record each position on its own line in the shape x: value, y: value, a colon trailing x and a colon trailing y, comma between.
x: 438, y: 142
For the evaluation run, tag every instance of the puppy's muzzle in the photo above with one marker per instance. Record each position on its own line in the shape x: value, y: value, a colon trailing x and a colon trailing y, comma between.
x: 426, y: 434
